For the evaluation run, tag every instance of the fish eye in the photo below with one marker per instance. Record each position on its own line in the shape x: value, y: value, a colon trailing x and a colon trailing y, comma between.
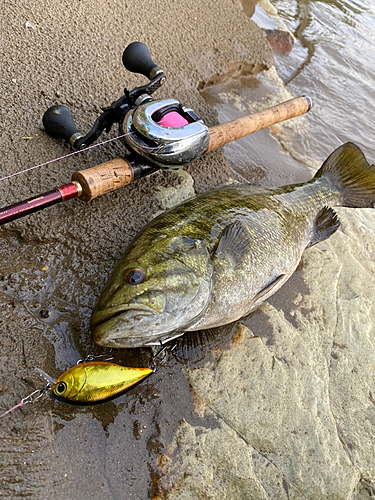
x: 60, y: 388
x: 135, y: 276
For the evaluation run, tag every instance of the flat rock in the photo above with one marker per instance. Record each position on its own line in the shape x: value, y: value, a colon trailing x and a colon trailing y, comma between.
x: 298, y: 411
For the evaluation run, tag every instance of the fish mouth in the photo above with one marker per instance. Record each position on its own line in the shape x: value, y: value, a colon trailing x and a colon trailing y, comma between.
x: 102, y: 316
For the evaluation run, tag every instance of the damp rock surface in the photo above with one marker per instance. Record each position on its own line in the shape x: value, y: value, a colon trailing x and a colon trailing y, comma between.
x: 296, y: 397
x: 280, y: 41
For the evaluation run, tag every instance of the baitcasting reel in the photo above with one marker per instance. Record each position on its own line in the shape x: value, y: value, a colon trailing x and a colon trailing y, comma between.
x: 162, y: 131
x: 158, y: 134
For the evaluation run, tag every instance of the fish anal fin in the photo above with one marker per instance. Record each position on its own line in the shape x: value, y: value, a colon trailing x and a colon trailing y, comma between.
x: 269, y: 289
x: 326, y: 223
x: 234, y: 243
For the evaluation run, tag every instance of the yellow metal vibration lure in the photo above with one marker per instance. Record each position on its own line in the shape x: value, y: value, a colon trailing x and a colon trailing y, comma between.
x: 88, y: 383
x: 96, y: 381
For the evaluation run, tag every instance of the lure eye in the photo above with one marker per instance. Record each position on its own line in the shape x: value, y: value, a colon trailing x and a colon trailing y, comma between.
x: 60, y: 388
x: 135, y: 276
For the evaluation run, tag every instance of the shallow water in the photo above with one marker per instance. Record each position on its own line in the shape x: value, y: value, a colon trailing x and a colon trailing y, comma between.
x: 332, y: 62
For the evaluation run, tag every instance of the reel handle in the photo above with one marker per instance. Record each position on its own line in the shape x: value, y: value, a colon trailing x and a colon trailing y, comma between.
x: 59, y: 123
x: 137, y: 59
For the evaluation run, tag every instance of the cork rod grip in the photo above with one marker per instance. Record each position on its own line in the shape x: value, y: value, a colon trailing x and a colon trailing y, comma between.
x: 104, y: 178
x: 231, y: 131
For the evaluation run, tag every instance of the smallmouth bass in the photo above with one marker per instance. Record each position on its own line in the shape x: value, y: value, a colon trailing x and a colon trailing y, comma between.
x: 214, y: 258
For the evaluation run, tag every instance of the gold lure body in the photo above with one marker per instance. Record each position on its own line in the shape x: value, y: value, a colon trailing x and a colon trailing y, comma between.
x: 96, y: 381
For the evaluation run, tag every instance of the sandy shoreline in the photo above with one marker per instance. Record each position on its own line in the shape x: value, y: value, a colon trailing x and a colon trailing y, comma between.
x: 58, y: 260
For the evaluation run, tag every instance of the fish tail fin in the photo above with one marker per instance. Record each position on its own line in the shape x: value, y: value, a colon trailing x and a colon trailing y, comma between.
x: 355, y: 177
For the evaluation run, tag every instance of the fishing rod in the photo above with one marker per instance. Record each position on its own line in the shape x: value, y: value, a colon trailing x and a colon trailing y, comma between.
x: 157, y: 134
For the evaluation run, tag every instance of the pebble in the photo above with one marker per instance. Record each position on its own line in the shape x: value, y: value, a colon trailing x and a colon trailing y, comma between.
x: 280, y: 41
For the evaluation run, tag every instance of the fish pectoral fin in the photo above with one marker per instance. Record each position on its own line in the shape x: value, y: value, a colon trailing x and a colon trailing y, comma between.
x: 194, y: 346
x: 234, y: 243
x: 326, y: 223
x: 269, y: 289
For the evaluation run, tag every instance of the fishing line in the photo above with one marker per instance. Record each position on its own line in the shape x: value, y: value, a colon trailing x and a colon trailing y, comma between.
x: 65, y: 156
x: 29, y: 399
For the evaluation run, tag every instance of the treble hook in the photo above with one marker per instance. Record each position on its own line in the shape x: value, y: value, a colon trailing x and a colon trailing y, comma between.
x: 91, y: 357
x: 159, y: 353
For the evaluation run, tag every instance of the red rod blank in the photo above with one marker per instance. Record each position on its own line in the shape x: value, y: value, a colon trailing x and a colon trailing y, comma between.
x: 62, y: 193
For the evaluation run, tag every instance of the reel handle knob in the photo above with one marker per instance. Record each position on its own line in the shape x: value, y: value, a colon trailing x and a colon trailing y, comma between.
x: 59, y: 123
x: 137, y: 59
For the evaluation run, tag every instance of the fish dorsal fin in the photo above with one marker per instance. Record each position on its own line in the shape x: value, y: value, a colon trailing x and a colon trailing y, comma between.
x: 233, y: 243
x: 326, y: 223
x: 267, y: 290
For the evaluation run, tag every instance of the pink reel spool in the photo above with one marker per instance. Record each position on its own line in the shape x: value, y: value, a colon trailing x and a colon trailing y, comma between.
x: 173, y: 120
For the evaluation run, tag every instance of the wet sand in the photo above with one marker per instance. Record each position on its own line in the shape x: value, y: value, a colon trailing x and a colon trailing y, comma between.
x: 54, y: 264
